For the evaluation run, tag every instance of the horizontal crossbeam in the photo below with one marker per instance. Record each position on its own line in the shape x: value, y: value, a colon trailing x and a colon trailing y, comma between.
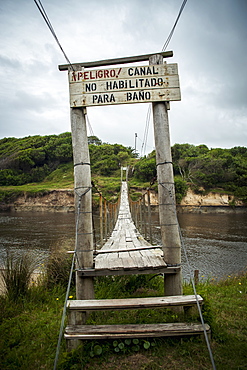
x: 108, y: 62
x: 128, y: 271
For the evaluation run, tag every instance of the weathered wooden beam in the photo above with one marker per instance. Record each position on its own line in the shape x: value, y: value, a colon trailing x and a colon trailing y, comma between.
x: 133, y: 330
x: 128, y: 271
x: 133, y: 303
x: 108, y: 62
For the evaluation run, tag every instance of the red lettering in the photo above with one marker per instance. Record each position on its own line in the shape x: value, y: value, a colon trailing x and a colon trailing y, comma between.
x: 100, y: 73
x: 106, y: 73
x: 91, y: 75
x: 79, y: 75
x: 86, y: 76
x: 112, y: 73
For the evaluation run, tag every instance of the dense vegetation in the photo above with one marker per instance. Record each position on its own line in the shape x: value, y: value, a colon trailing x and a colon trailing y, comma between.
x: 33, y: 158
x: 203, y: 169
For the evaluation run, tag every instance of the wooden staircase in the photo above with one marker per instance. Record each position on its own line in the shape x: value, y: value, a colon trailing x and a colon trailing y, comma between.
x: 74, y: 331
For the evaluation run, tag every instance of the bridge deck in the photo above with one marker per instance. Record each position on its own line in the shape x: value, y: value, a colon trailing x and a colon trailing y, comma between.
x: 126, y: 251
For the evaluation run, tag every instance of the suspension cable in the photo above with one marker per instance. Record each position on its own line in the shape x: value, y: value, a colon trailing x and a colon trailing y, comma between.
x: 89, y: 126
x: 145, y: 136
x: 48, y: 23
x: 68, y: 287
x: 163, y: 49
x: 174, y: 26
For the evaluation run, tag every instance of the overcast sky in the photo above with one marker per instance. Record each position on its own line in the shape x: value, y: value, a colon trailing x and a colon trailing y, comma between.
x: 209, y: 45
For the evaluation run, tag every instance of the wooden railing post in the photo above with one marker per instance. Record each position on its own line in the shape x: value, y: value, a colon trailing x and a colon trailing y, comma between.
x: 140, y: 215
x: 105, y: 218
x: 144, y: 216
x: 149, y: 217
x: 101, y: 218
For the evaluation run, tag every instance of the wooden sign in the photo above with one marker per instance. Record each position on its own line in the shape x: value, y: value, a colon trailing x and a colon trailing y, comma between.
x: 124, y: 85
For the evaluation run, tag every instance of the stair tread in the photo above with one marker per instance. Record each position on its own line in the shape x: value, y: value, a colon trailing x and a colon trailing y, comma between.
x: 133, y: 330
x: 127, y: 303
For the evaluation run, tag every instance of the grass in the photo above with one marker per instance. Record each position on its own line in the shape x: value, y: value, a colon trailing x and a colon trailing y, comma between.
x: 29, y: 329
x: 16, y: 274
x: 63, y: 178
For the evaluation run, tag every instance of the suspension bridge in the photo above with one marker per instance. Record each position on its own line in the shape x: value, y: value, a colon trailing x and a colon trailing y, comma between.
x: 126, y: 252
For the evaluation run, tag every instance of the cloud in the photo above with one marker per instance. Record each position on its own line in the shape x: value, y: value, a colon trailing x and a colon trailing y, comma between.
x: 209, y: 46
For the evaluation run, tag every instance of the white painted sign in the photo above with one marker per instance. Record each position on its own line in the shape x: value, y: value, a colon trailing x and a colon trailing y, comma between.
x: 138, y: 84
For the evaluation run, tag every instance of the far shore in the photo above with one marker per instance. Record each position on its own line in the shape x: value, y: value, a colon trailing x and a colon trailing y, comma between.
x: 62, y: 200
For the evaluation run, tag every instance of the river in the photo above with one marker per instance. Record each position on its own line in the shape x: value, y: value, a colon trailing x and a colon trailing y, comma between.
x: 216, y: 244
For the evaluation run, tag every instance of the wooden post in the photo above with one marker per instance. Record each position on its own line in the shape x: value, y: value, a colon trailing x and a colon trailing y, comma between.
x: 196, y: 277
x: 149, y: 217
x: 140, y: 215
x: 101, y: 218
x: 144, y: 216
x: 105, y: 218
x: 83, y: 203
x: 166, y: 192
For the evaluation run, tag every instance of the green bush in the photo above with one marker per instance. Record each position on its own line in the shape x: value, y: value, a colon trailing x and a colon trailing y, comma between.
x: 181, y: 188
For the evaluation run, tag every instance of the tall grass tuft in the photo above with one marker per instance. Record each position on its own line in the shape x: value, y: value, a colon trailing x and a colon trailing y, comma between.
x: 16, y: 274
x: 58, y: 269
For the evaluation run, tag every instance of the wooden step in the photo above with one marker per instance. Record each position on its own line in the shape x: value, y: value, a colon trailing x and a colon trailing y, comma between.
x: 127, y: 270
x: 133, y: 331
x: 133, y: 303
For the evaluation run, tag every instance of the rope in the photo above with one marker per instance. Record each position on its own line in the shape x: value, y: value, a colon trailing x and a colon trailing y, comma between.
x: 75, y: 258
x: 143, y: 148
x: 175, y: 24
x: 193, y: 285
x: 47, y: 21
x: 197, y: 301
x: 88, y: 188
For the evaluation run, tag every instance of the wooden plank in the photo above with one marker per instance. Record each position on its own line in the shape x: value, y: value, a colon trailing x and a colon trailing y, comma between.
x: 133, y: 331
x: 123, y: 60
x: 134, y: 303
x: 114, y: 262
x: 127, y: 261
x: 104, y: 271
x: 128, y: 249
x: 129, y: 97
x: 130, y: 84
x: 132, y: 77
x: 154, y: 260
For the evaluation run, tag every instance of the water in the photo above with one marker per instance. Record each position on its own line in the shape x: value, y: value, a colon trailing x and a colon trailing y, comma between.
x: 36, y: 232
x: 216, y: 244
